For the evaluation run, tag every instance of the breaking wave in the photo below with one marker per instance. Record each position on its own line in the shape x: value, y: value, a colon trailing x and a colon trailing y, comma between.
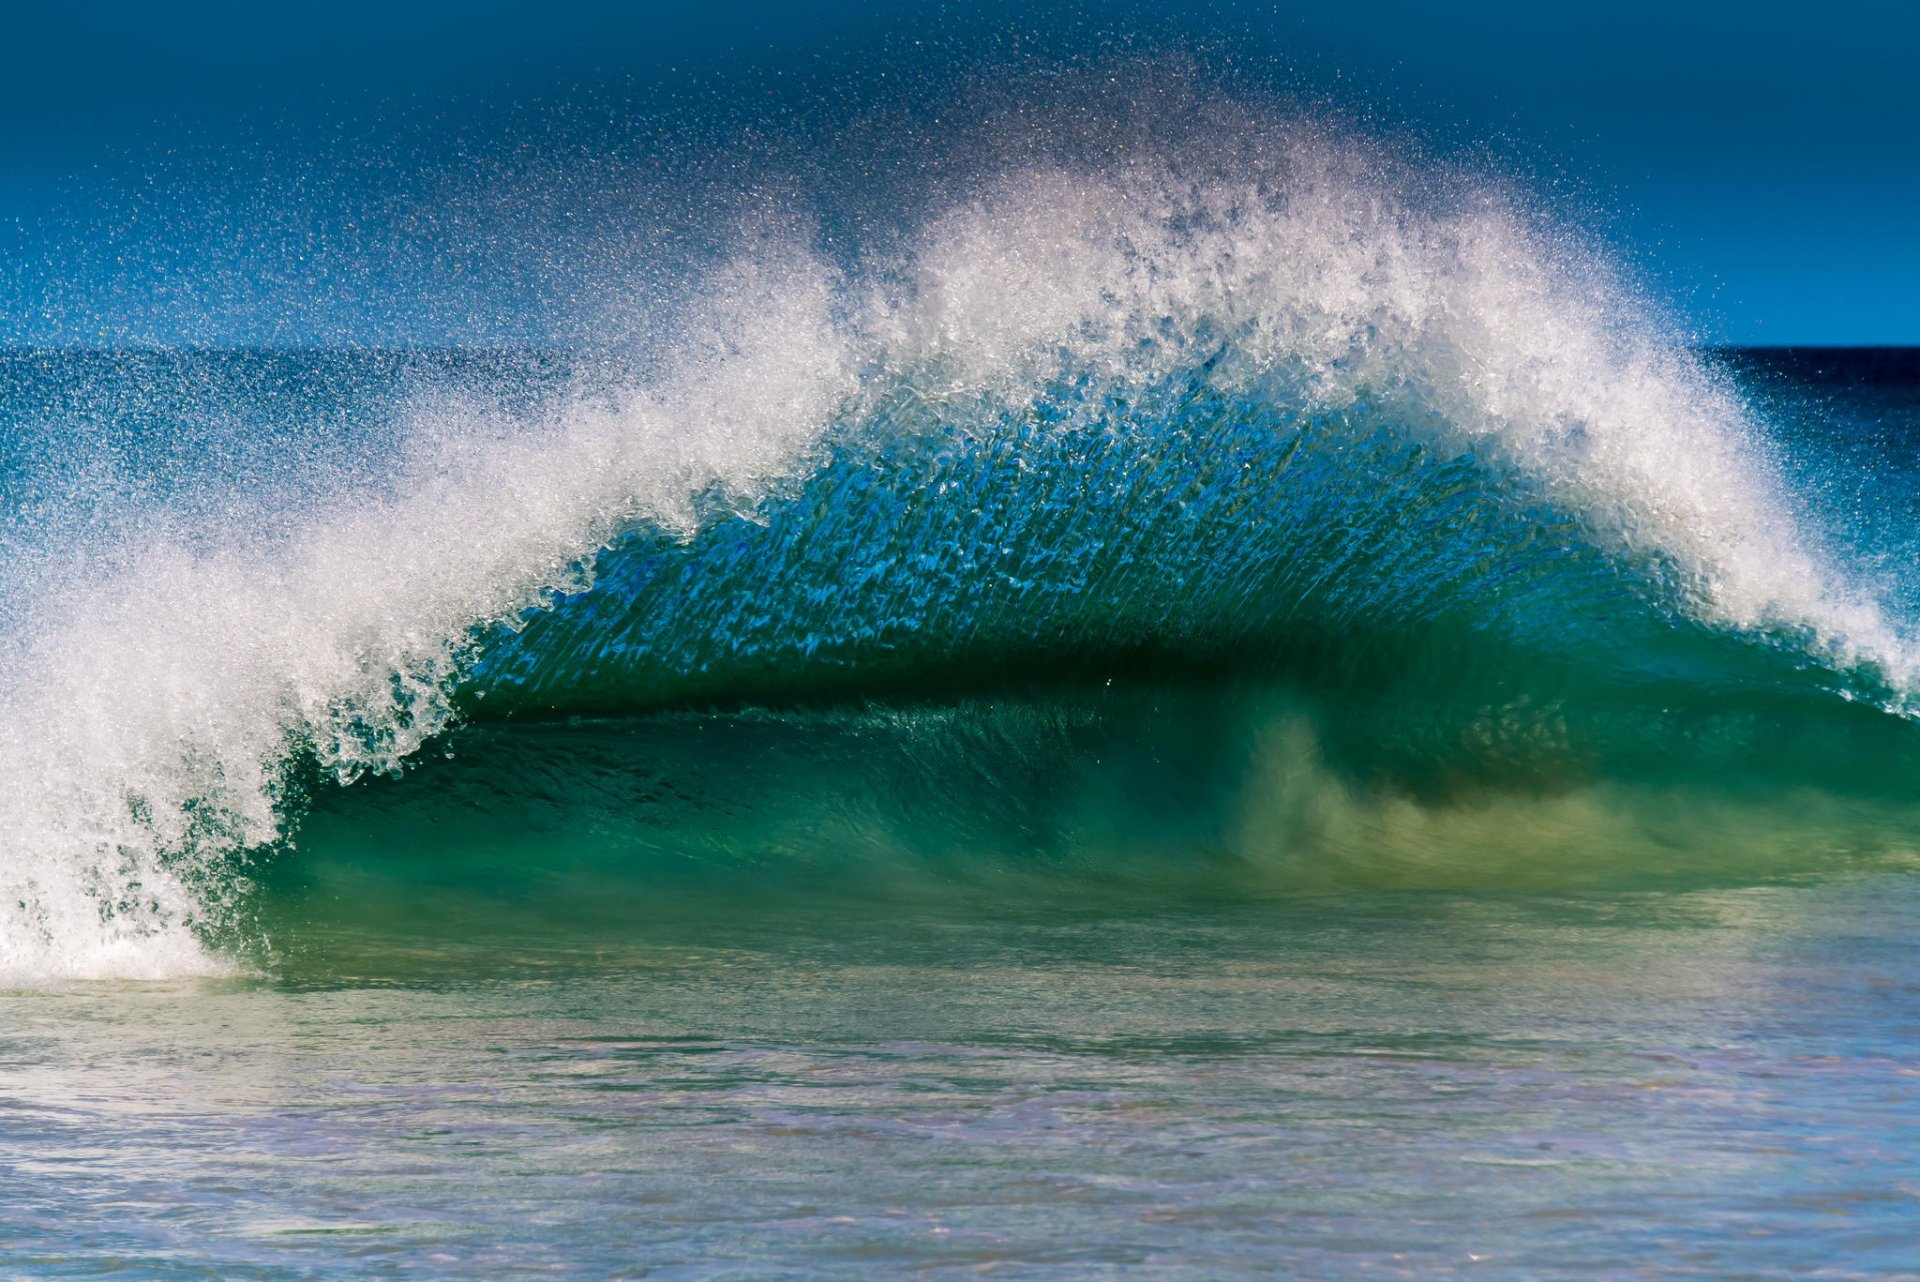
x: 1396, y: 470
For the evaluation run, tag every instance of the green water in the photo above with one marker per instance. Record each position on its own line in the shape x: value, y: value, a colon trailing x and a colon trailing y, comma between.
x: 751, y: 997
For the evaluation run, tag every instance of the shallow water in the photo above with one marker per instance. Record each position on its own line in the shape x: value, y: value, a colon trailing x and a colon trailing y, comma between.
x: 1715, y: 1083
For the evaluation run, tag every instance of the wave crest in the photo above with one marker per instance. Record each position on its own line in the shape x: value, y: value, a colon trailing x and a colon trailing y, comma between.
x: 1182, y: 396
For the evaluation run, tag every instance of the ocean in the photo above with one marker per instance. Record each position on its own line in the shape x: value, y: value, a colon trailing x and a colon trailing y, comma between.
x: 1253, y: 711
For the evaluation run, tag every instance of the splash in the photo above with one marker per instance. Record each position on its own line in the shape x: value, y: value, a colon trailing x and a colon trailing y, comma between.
x: 164, y: 687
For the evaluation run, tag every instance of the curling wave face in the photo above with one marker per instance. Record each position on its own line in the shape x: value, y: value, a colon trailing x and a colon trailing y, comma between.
x: 1269, y: 404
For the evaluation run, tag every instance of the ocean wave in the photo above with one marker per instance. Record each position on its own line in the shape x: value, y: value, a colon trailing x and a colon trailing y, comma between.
x: 1266, y: 398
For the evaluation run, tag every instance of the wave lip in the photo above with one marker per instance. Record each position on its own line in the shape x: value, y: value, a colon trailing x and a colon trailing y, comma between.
x: 1320, y: 335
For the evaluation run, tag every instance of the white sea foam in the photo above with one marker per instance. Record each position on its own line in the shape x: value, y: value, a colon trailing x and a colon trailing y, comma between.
x: 150, y: 704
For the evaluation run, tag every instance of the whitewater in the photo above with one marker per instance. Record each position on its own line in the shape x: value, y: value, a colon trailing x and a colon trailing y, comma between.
x: 178, y: 659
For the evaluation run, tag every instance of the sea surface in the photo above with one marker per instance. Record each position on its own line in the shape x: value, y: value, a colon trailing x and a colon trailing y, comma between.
x: 1163, y: 722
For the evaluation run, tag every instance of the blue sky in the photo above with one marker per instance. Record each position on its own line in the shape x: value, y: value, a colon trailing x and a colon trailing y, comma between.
x: 205, y: 172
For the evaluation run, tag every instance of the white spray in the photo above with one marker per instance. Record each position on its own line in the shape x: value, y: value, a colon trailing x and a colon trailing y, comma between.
x: 149, y: 711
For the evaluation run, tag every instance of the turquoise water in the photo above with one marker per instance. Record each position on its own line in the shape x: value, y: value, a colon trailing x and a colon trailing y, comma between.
x: 1245, y: 709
